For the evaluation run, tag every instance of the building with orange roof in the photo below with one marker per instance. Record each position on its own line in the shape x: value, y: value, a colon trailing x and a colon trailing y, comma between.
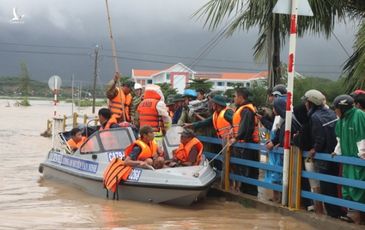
x: 179, y: 75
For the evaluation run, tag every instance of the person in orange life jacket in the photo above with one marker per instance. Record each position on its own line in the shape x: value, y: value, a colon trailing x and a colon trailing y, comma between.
x: 120, y: 99
x: 221, y: 118
x: 189, y: 152
x: 106, y: 120
x: 144, y: 152
x: 76, y: 139
x: 153, y: 112
x: 245, y: 129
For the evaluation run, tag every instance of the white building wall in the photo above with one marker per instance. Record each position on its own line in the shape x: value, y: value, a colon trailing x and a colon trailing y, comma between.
x: 160, y: 78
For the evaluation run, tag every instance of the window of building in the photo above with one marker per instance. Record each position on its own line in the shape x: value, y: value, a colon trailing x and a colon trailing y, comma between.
x: 167, y: 76
x: 248, y: 84
x: 220, y: 83
x: 149, y: 81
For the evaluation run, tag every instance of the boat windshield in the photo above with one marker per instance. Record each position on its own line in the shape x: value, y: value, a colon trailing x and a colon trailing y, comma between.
x: 171, y: 140
x: 108, y: 140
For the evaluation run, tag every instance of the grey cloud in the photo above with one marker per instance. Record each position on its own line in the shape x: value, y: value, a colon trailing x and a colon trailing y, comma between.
x: 147, y: 26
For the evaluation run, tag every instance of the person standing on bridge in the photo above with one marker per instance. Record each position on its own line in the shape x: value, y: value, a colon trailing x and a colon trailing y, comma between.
x: 350, y: 131
x: 245, y: 129
x: 359, y: 100
x: 322, y: 139
x: 221, y: 118
x: 120, y: 99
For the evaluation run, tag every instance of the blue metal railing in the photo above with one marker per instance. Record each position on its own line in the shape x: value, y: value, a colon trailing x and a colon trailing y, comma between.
x: 305, y: 174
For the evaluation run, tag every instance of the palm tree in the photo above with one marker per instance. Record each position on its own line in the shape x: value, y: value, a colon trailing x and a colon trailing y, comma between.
x: 273, y: 28
x: 354, y: 68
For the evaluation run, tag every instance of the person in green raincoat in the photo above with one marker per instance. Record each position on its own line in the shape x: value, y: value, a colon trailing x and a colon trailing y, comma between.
x: 350, y: 132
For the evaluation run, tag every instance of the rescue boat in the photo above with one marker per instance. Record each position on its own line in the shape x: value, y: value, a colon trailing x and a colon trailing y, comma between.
x: 84, y: 169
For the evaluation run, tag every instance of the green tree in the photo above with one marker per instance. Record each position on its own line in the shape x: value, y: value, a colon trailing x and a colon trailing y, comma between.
x: 273, y: 28
x: 354, y: 69
x: 167, y: 90
x: 201, y: 84
x: 329, y: 88
x: 24, y: 83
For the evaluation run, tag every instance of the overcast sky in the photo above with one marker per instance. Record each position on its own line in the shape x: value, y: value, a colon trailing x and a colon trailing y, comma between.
x: 59, y: 37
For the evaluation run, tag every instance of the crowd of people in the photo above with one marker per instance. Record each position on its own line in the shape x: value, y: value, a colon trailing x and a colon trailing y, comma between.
x: 317, y: 127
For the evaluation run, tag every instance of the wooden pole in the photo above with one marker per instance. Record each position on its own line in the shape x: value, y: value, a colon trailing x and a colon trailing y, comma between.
x: 227, y: 160
x: 114, y: 55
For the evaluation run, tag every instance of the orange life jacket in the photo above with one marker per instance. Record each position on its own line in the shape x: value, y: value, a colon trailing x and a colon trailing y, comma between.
x: 111, y: 121
x: 237, y: 120
x: 147, y: 110
x: 147, y: 150
x: 221, y: 125
x: 73, y: 145
x: 115, y: 172
x: 116, y: 105
x: 182, y: 153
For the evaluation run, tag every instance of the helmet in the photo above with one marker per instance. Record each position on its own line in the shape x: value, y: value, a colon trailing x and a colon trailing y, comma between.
x: 344, y: 102
x: 190, y: 93
x: 314, y: 96
x: 279, y: 90
x: 137, y: 86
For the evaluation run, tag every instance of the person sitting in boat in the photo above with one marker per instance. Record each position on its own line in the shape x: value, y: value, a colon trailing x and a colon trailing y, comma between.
x: 76, y: 139
x: 144, y: 152
x: 106, y: 120
x: 189, y: 151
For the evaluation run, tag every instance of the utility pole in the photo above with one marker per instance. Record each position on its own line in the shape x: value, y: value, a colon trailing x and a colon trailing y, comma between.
x: 95, y: 75
x: 80, y: 94
x: 293, y: 8
x: 72, y: 93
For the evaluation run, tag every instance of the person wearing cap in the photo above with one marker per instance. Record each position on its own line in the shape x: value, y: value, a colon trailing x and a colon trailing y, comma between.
x: 323, y: 140
x: 178, y: 99
x: 144, y: 152
x: 245, y: 129
x: 189, y: 151
x: 278, y: 91
x: 171, y: 106
x: 153, y: 112
x: 221, y: 118
x: 120, y: 99
x: 350, y: 132
x: 189, y: 95
x: 137, y: 98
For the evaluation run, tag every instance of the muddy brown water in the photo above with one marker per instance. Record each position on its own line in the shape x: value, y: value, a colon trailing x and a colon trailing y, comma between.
x: 29, y: 202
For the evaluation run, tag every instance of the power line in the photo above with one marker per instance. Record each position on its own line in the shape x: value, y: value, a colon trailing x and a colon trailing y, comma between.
x: 212, y: 43
x: 151, y: 61
x: 339, y: 42
x: 135, y: 52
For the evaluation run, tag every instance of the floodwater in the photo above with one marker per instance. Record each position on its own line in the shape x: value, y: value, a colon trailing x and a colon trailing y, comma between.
x: 29, y: 202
